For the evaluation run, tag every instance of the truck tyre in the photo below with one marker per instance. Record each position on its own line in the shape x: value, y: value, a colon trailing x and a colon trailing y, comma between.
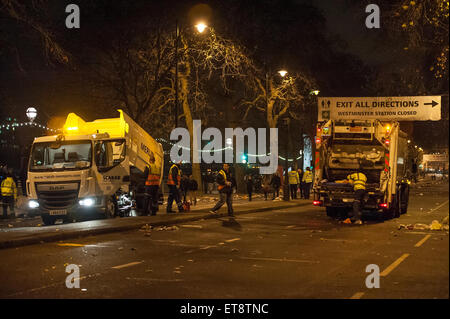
x: 110, y: 207
x: 48, y: 220
x: 331, y: 212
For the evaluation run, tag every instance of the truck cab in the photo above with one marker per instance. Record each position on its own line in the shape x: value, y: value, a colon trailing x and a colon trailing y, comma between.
x: 75, y: 175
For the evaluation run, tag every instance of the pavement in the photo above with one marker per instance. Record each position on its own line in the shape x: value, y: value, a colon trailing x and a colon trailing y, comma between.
x: 27, y: 231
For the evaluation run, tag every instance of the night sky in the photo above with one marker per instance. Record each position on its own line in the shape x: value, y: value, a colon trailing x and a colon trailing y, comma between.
x: 325, y: 38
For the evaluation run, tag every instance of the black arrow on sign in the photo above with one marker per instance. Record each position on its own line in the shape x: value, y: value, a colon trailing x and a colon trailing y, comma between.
x: 432, y: 103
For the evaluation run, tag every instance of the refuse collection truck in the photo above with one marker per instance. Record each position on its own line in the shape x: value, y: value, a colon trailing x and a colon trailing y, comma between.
x: 380, y: 149
x: 90, y: 168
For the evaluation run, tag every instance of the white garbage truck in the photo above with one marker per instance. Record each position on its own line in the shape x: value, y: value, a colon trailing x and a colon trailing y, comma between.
x: 90, y: 168
x: 383, y: 153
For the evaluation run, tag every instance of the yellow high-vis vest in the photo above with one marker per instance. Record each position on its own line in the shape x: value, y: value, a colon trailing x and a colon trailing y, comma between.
x: 9, y: 188
x: 358, y: 180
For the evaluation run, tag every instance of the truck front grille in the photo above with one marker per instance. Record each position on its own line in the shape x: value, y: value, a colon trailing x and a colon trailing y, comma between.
x: 58, y: 199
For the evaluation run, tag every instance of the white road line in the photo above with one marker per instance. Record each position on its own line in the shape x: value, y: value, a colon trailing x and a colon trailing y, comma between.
x: 393, y: 265
x: 422, y: 241
x: 127, y: 265
x: 231, y: 240
x: 358, y: 295
x: 207, y: 247
x: 192, y: 226
x: 281, y: 259
x: 439, y: 206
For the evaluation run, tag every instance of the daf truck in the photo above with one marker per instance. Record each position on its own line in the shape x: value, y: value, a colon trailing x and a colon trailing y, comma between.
x: 380, y: 149
x: 90, y: 168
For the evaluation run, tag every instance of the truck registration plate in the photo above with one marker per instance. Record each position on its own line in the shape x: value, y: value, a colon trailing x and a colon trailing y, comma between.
x: 58, y: 212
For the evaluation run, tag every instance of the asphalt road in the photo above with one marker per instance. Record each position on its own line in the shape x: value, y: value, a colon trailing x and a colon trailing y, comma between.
x: 288, y: 253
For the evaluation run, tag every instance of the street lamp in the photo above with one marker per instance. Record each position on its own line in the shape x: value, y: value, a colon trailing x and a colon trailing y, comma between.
x: 282, y: 73
x: 31, y: 113
x: 200, y: 28
x: 286, y: 194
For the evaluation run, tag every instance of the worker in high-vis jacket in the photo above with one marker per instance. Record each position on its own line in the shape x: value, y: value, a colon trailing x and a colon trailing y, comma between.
x: 293, y: 182
x: 225, y: 188
x: 151, y: 187
x: 173, y: 181
x: 358, y: 180
x: 307, y: 181
x: 9, y: 195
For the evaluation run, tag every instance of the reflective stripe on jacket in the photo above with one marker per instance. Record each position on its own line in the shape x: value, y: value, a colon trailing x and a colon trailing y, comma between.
x: 170, y: 180
x: 307, y: 177
x: 153, y: 176
x: 358, y: 180
x: 9, y: 188
x: 293, y: 178
x: 222, y: 172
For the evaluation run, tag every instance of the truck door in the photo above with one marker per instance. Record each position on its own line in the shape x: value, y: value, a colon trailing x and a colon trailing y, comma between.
x: 113, y: 169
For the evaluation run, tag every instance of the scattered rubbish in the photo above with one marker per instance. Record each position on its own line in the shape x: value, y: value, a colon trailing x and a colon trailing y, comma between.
x: 167, y: 228
x: 177, y: 272
x: 10, y: 226
x: 435, y: 225
x: 83, y: 289
x: 120, y: 248
x: 347, y: 221
x: 39, y: 225
x: 421, y: 194
x: 191, y: 260
x: 234, y: 250
x: 445, y: 221
x: 148, y: 270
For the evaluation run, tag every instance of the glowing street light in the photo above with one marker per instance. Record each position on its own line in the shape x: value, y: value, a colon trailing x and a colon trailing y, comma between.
x: 31, y: 113
x: 314, y: 92
x: 201, y: 27
x: 282, y: 73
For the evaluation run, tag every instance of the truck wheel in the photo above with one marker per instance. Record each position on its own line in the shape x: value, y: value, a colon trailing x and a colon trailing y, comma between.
x: 331, y: 212
x: 110, y: 207
x: 48, y: 220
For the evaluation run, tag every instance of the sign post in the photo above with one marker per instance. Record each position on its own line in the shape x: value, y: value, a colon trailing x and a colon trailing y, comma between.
x: 398, y: 108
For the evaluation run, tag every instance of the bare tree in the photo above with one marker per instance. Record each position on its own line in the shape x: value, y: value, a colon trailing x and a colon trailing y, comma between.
x: 278, y: 98
x: 31, y: 15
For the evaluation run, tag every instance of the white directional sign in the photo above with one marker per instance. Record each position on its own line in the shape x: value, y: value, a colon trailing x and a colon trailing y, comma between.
x: 399, y: 108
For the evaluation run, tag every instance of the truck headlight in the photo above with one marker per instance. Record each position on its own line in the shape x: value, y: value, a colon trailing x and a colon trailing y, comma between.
x: 87, y: 202
x: 33, y: 204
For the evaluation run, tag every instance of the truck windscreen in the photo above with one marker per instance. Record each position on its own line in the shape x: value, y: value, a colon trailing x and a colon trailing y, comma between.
x: 66, y: 155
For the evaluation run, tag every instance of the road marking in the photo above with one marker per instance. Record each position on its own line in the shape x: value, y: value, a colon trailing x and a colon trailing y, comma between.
x: 439, y: 206
x: 192, y: 226
x: 231, y: 240
x: 207, y: 247
x: 281, y: 259
x: 422, y: 241
x: 127, y: 265
x: 70, y: 245
x: 393, y: 265
x: 358, y: 295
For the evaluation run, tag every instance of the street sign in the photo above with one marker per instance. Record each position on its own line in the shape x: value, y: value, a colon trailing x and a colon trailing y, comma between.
x: 398, y: 108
